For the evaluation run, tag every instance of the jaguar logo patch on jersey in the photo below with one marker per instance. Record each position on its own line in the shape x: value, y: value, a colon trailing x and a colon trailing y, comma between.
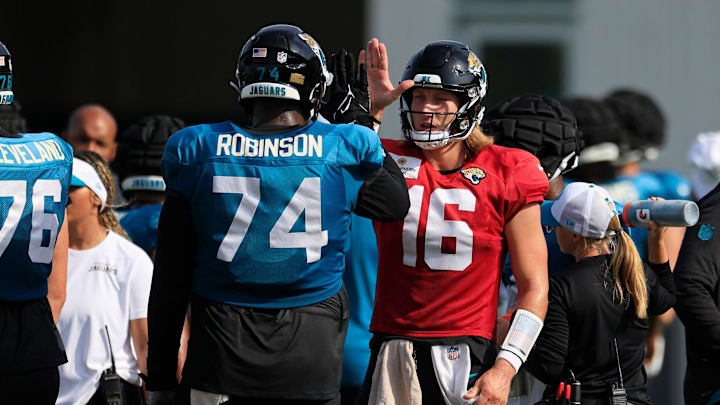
x: 706, y: 232
x: 474, y: 174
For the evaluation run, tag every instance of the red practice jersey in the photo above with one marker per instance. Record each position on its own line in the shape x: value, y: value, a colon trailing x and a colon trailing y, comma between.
x: 439, y: 269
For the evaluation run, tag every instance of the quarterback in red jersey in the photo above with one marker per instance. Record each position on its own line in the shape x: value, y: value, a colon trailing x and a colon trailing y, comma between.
x: 439, y: 269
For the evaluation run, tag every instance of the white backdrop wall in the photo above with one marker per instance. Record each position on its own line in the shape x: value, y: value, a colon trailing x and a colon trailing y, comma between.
x: 668, y: 48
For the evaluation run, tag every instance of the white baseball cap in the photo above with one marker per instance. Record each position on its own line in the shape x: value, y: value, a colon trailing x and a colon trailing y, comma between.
x: 704, y: 156
x: 582, y: 208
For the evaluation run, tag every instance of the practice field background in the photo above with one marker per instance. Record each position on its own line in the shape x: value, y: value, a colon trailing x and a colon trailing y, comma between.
x: 173, y: 57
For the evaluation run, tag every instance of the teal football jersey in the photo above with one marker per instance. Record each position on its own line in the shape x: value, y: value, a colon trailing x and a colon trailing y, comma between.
x: 141, y: 225
x: 35, y: 172
x: 271, y: 212
x: 676, y: 187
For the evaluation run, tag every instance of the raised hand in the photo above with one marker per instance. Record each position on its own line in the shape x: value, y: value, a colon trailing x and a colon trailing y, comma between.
x: 382, y: 91
x: 347, y: 99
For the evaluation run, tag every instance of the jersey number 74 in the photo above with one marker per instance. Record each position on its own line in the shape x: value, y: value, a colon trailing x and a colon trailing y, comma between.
x: 306, y: 198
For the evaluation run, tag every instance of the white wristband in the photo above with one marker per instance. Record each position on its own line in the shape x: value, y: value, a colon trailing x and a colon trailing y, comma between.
x: 523, y: 332
x: 511, y: 358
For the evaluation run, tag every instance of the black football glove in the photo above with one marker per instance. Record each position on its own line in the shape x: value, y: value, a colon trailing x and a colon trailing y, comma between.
x: 347, y: 99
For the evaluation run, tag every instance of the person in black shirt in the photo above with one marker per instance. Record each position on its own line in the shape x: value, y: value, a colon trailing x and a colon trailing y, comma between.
x: 606, y: 296
x: 698, y: 303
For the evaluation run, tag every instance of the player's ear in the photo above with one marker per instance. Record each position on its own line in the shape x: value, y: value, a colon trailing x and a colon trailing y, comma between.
x: 95, y: 201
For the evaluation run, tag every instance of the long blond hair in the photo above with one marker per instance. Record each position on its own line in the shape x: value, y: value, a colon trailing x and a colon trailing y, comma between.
x: 477, y: 141
x: 107, y: 217
x: 627, y: 268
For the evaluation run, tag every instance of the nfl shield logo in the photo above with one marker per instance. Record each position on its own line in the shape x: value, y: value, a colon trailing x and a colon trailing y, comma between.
x: 281, y: 57
x: 453, y: 353
x: 706, y: 232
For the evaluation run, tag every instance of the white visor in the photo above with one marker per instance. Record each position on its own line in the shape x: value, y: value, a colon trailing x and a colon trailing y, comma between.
x: 84, y: 175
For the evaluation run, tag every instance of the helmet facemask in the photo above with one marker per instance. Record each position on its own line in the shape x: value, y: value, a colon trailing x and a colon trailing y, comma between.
x: 450, y: 66
x: 465, y: 119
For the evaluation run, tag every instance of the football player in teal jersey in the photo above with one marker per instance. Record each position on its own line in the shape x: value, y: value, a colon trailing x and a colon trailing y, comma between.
x: 604, y: 145
x: 254, y: 232
x: 138, y: 165
x: 35, y: 172
x: 644, y: 125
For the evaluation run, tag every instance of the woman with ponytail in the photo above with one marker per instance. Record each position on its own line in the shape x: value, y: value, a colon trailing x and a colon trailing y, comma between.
x: 108, y: 286
x: 598, y: 308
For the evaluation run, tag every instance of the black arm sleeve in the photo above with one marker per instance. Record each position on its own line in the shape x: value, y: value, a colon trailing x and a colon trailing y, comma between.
x: 660, y: 286
x: 697, y: 275
x: 547, y: 359
x: 384, y: 195
x: 170, y: 291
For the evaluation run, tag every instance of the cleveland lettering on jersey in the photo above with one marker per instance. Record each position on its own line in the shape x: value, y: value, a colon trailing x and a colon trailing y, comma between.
x: 301, y: 145
x: 31, y: 152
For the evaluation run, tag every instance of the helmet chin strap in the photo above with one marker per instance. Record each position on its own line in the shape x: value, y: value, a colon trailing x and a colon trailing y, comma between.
x: 565, y: 165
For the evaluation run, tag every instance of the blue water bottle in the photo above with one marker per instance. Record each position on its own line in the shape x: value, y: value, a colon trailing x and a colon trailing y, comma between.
x: 678, y: 213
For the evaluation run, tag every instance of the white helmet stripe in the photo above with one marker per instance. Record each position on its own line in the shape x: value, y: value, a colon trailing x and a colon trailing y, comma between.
x: 269, y: 90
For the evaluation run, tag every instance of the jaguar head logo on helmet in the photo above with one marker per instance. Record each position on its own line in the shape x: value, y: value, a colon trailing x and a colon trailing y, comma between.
x: 450, y: 66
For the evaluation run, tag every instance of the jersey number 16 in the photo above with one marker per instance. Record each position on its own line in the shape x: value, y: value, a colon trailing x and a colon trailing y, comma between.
x: 437, y: 228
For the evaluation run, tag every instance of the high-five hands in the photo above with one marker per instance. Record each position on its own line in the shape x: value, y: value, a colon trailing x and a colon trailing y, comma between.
x: 382, y: 91
x: 347, y: 100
